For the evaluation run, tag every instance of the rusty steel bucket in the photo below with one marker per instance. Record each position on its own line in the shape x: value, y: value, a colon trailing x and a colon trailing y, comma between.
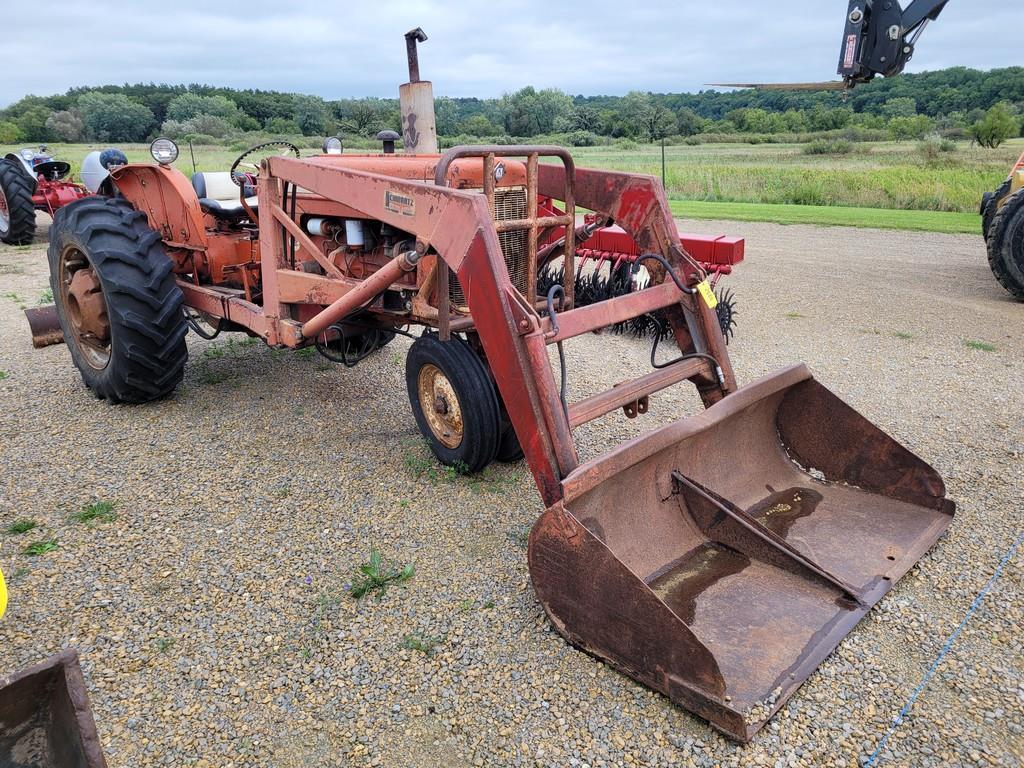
x: 45, y: 720
x: 721, y: 558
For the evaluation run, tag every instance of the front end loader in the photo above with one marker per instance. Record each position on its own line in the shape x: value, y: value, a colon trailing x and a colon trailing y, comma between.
x: 718, y: 559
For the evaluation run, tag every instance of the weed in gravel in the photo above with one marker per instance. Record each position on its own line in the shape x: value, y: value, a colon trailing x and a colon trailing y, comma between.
x: 465, y: 605
x: 40, y: 547
x: 4, y: 375
x: 18, y: 575
x: 488, y: 605
x: 421, y: 466
x: 236, y: 348
x: 214, y: 352
x: 983, y: 346
x: 490, y: 482
x: 520, y: 535
x: 19, y: 527
x: 212, y: 377
x: 372, y: 576
x: 15, y: 298
x: 794, y: 315
x: 306, y: 353
x: 427, y: 467
x: 903, y: 335
x: 102, y: 511
x: 283, y: 491
x: 46, y: 297
x: 326, y: 606
x: 164, y: 644
x: 425, y: 644
x: 11, y: 269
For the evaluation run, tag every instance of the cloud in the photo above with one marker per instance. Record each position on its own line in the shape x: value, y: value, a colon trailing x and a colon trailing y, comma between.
x: 475, y: 48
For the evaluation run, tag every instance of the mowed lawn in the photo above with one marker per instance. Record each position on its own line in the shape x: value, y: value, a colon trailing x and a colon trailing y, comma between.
x: 882, y: 185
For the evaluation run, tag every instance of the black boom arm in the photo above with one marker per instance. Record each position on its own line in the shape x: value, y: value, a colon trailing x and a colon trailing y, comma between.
x: 880, y: 37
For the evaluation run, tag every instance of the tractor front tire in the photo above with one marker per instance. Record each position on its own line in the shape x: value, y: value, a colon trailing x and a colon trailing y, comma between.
x: 1006, y: 245
x: 989, y: 206
x: 454, y: 402
x: 17, y: 212
x: 119, y: 306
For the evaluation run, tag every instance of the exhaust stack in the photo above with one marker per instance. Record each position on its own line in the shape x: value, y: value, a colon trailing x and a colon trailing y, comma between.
x: 419, y: 124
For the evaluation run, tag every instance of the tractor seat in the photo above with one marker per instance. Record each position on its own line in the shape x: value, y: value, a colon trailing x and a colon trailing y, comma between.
x: 52, y: 170
x: 218, y: 196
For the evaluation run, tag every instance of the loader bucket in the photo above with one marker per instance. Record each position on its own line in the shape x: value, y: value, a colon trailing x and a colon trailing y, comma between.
x: 45, y: 326
x: 721, y: 558
x: 45, y: 720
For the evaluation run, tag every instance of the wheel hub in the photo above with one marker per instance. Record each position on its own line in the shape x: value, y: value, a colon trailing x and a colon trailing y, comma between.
x: 442, y: 410
x: 86, y: 309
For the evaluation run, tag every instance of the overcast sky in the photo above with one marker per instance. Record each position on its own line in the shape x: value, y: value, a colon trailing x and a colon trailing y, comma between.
x: 476, y: 48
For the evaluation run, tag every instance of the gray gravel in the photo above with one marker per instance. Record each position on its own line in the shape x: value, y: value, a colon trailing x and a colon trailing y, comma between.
x: 212, y: 617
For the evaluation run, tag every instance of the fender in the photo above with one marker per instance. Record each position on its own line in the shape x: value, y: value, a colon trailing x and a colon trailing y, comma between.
x: 166, y: 196
x: 19, y: 161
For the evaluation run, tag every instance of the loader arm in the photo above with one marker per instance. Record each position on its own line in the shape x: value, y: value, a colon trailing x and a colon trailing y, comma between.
x: 879, y: 38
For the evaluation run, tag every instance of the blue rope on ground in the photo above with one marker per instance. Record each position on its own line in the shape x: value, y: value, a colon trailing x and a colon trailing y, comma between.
x: 942, y: 654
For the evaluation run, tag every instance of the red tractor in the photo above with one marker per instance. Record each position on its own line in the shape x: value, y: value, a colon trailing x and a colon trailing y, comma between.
x: 33, y: 180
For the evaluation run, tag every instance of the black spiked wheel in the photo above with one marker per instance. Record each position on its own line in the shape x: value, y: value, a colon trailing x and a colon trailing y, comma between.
x: 726, y: 311
x: 595, y: 286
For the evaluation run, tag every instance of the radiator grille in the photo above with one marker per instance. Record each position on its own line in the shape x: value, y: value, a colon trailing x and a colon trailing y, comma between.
x: 509, y: 204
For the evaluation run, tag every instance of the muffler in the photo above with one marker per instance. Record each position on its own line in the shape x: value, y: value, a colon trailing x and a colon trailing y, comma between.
x: 721, y: 558
x: 45, y: 720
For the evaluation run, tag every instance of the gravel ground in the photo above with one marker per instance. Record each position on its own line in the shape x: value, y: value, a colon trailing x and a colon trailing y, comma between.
x: 212, y: 615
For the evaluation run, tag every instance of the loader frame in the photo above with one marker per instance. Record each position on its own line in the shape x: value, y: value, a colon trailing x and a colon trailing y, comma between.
x: 458, y: 229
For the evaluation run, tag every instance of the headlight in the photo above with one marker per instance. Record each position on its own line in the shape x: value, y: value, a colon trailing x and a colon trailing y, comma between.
x: 164, y: 151
x: 332, y: 145
x: 27, y: 154
x: 499, y: 172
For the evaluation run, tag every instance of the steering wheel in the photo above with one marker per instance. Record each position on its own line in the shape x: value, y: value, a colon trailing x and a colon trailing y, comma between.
x: 246, y: 159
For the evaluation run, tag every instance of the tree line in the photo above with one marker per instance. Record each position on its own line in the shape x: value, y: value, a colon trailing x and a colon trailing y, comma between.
x: 956, y: 102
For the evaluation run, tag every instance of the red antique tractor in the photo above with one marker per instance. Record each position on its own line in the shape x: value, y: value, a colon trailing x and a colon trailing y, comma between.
x: 718, y: 559
x: 33, y: 180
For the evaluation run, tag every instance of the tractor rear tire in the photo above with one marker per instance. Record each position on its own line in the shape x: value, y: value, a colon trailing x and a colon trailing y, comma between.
x: 119, y: 306
x: 1006, y: 245
x: 990, y: 205
x: 17, y: 212
x: 454, y: 402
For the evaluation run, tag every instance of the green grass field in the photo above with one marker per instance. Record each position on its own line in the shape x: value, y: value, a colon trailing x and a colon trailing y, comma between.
x: 885, y: 185
x: 875, y: 175
x: 831, y: 216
